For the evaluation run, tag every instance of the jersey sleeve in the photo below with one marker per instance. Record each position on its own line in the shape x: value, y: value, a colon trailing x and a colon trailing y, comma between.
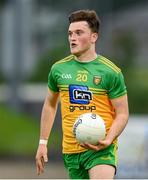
x: 117, y: 86
x: 52, y: 82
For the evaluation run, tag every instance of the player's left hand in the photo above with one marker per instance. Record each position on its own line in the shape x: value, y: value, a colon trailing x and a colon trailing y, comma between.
x: 102, y: 145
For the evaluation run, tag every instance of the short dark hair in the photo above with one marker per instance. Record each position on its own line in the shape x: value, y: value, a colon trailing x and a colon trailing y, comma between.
x: 86, y: 15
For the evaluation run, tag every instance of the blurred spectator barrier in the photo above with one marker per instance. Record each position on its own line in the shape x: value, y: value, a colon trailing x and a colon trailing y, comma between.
x: 133, y: 149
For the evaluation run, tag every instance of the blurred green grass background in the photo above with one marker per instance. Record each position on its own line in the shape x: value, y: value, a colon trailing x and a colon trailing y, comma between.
x: 19, y: 134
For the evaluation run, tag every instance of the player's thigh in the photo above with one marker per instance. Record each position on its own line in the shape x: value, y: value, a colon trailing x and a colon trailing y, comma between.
x: 78, y: 173
x: 102, y: 171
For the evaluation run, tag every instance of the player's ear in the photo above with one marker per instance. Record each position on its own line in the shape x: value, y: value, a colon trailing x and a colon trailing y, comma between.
x: 94, y: 37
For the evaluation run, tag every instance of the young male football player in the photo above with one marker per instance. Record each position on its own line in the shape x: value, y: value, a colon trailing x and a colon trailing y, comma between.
x: 85, y: 82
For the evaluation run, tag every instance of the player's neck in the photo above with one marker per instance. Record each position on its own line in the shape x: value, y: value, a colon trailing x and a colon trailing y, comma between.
x: 87, y: 57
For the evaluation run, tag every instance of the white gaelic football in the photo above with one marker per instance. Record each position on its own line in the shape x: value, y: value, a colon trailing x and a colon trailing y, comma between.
x: 89, y: 128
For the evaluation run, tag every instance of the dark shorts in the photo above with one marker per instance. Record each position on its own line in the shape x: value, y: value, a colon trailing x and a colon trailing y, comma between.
x: 78, y: 164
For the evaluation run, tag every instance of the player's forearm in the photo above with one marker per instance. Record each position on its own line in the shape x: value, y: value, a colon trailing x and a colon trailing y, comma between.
x: 117, y: 127
x: 121, y: 108
x: 47, y: 120
x: 48, y: 116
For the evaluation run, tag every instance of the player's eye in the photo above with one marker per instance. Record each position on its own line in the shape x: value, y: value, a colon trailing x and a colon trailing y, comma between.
x: 78, y: 33
x: 69, y: 33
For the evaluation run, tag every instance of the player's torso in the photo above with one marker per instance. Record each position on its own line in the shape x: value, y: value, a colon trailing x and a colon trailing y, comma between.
x: 82, y: 89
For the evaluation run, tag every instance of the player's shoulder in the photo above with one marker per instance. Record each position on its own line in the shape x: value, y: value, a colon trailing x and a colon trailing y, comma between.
x: 64, y: 60
x: 108, y: 64
x: 61, y: 63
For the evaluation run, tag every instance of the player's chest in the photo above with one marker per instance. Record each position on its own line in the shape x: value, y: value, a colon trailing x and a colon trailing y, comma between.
x: 80, y: 77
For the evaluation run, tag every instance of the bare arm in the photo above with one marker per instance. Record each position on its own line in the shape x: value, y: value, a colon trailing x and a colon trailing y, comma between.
x: 121, y: 109
x: 48, y: 114
x: 47, y: 120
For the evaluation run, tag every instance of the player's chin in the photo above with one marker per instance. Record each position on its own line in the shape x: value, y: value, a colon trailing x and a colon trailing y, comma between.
x: 74, y: 52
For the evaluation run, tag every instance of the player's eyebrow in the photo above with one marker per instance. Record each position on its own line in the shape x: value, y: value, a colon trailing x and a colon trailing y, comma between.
x: 76, y: 30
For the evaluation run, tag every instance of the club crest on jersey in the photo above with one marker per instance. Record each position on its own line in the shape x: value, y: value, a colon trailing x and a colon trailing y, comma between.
x: 96, y: 80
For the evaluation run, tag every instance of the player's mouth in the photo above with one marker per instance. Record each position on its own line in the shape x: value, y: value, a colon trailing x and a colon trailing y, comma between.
x: 73, y: 45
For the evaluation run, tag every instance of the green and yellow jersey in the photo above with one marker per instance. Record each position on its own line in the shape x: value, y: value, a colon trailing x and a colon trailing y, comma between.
x: 85, y: 87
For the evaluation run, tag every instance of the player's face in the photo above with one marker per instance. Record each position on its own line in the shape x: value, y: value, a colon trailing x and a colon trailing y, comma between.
x: 81, y: 38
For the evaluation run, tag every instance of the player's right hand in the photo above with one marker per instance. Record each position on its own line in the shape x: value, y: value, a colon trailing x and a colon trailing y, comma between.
x: 41, y: 158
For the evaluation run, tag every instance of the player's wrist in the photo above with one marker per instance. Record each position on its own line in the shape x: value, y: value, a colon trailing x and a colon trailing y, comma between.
x: 43, y: 141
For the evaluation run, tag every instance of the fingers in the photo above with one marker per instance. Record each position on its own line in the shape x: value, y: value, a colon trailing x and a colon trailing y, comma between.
x: 45, y: 158
x: 40, y: 162
x: 94, y: 147
x: 40, y: 165
x: 41, y: 158
x: 89, y: 146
